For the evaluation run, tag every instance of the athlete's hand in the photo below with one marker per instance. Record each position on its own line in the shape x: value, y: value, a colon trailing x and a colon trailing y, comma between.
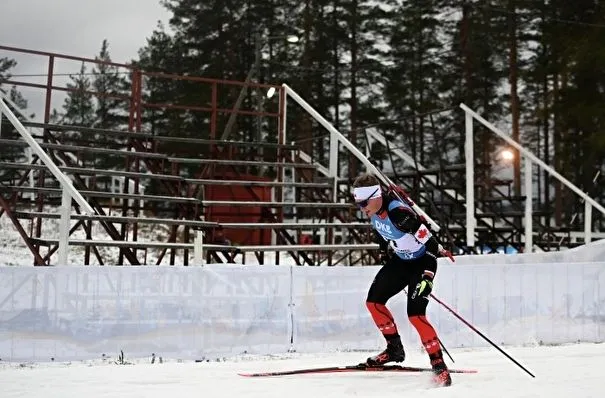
x: 423, y: 288
x: 446, y: 253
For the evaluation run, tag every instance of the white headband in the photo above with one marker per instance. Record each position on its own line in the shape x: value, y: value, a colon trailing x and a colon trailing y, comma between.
x: 363, y: 193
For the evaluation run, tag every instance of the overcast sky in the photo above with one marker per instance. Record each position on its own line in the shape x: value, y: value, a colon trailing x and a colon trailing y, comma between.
x: 74, y: 27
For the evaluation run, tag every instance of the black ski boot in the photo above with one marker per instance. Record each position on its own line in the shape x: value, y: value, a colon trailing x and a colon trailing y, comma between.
x: 442, y: 376
x: 393, y: 353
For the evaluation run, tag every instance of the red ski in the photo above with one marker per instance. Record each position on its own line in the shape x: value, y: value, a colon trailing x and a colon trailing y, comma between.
x: 352, y: 368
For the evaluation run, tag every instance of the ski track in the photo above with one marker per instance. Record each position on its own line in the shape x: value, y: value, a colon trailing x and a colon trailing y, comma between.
x: 560, y: 370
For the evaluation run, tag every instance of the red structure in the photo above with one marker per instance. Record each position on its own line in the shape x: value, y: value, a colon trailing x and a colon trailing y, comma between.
x: 221, y: 92
x: 239, y: 214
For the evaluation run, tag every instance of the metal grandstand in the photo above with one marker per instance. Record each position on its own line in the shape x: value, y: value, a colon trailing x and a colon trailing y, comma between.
x: 279, y: 199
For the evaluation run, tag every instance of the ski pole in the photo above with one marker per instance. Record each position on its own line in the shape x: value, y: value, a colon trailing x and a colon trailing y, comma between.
x: 474, y: 329
x: 439, y: 340
x: 402, y: 195
x: 445, y: 349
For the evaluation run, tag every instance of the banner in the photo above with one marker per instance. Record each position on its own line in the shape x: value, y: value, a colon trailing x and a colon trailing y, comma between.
x: 70, y: 313
x: 85, y: 312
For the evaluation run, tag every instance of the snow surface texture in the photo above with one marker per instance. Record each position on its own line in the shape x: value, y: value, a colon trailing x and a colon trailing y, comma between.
x: 560, y: 371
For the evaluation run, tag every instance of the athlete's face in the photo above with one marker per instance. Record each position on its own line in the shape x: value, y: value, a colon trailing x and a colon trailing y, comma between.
x: 370, y: 207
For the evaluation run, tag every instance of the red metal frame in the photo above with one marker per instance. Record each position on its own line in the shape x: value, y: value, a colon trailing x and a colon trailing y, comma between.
x: 136, y: 105
x: 135, y: 97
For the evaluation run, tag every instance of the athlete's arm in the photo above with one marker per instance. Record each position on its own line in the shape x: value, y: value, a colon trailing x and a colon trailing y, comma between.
x: 404, y: 219
x: 385, y: 254
x: 407, y: 221
x: 384, y: 245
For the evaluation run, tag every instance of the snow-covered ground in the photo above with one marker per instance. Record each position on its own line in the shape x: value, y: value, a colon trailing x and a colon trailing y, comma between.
x: 13, y: 250
x: 570, y: 370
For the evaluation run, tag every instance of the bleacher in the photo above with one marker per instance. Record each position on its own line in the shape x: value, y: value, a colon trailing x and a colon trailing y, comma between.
x: 179, y: 201
x: 265, y: 197
x: 499, y: 213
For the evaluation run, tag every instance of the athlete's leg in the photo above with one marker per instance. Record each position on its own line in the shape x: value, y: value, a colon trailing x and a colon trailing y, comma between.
x: 390, y: 280
x: 417, y: 315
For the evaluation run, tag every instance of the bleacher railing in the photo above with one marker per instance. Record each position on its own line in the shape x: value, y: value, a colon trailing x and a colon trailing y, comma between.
x: 69, y: 192
x: 530, y: 159
x: 336, y: 139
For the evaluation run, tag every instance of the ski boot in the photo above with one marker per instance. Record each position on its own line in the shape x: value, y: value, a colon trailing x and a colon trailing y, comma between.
x: 393, y: 353
x: 441, y: 376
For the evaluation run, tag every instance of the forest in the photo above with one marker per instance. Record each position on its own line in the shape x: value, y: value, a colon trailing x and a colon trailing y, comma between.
x: 536, y: 68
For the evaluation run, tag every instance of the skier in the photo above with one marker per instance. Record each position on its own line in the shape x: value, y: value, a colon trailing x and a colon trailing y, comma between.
x: 409, y: 254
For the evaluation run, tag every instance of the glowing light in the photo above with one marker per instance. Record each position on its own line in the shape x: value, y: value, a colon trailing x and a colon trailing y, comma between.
x: 507, y: 154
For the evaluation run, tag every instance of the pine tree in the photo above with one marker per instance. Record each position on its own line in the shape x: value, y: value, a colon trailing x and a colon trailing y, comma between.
x: 211, y: 39
x: 326, y: 77
x: 215, y: 39
x: 6, y: 64
x: 415, y: 67
x: 473, y: 73
x: 108, y: 84
x: 162, y: 53
x: 111, y: 112
x: 537, y: 77
x: 368, y: 35
x: 278, y: 57
x: 10, y: 153
x: 512, y: 21
x: 579, y: 145
x: 79, y: 105
x: 79, y: 110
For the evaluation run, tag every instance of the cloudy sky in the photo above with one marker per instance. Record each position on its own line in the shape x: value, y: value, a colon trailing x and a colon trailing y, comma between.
x: 73, y: 27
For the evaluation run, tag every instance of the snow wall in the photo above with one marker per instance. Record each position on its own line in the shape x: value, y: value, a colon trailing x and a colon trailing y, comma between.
x: 71, y: 313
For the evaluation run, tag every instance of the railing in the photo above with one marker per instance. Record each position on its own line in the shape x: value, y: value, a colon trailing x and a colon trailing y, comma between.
x: 69, y: 192
x: 337, y: 138
x: 530, y: 159
x: 133, y: 96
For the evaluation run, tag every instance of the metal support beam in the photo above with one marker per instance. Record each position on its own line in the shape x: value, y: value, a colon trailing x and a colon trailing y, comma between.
x: 470, y: 182
x: 198, y: 248
x: 59, y: 175
x: 333, y: 168
x: 587, y: 222
x: 64, y: 227
x: 529, y: 238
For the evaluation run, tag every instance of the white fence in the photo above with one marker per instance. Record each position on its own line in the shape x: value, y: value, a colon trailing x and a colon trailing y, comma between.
x: 220, y: 310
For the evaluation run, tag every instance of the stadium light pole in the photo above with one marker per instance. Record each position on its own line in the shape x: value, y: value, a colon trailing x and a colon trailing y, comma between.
x: 254, y: 70
x: 260, y: 97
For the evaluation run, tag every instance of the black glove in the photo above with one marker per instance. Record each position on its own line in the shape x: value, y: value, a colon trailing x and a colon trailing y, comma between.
x: 423, y: 288
x: 385, y: 256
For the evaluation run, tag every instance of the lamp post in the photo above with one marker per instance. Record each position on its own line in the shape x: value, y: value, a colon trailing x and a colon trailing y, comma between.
x: 259, y: 100
x: 258, y: 47
x: 254, y: 70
